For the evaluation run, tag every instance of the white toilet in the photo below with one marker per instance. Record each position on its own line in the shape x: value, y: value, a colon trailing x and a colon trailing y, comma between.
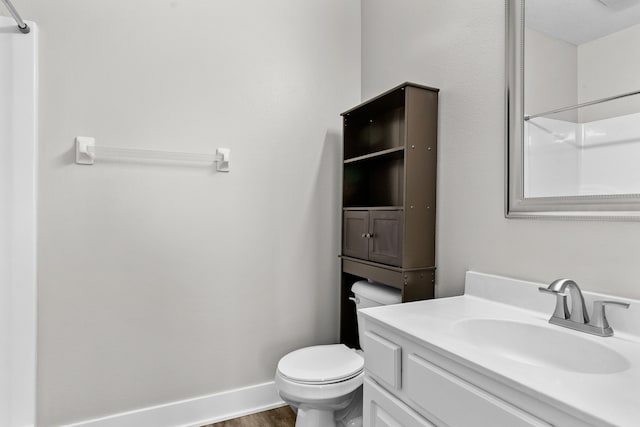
x: 324, y: 382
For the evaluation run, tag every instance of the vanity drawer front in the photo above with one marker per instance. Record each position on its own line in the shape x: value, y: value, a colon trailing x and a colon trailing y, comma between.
x: 457, y: 402
x: 383, y: 360
x: 381, y: 409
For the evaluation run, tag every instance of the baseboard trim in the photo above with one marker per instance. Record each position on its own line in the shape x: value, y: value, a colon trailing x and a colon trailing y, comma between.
x: 196, y: 412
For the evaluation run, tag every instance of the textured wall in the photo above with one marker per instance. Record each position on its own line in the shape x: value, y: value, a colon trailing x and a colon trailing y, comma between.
x: 551, y: 66
x: 164, y: 282
x: 606, y: 67
x: 458, y: 46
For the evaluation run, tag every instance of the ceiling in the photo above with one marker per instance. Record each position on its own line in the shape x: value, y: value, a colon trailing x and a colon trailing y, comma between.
x: 580, y: 21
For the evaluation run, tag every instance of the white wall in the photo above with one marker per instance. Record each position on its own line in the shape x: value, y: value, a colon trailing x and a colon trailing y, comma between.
x: 164, y: 282
x: 609, y: 66
x: 18, y: 183
x: 458, y: 46
x: 551, y: 68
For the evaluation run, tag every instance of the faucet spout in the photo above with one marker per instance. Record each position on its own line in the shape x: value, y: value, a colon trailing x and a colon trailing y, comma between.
x: 577, y: 318
x: 578, y: 311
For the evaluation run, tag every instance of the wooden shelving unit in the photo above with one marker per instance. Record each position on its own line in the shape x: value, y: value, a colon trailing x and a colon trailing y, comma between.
x: 389, y: 196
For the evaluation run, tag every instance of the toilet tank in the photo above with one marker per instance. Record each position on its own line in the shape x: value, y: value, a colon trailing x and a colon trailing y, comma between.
x: 372, y: 294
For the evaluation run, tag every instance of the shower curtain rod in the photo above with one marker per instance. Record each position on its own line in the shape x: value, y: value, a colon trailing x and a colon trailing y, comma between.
x: 24, y: 28
x: 584, y: 104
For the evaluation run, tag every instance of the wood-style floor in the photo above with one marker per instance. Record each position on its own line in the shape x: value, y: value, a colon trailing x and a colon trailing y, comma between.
x: 279, y: 417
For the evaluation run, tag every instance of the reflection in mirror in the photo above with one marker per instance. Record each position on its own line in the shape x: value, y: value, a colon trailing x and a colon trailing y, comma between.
x: 577, y: 52
x: 580, y: 104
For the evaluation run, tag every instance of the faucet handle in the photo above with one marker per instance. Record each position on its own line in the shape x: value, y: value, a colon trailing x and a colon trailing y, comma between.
x: 599, y: 316
x: 562, y: 310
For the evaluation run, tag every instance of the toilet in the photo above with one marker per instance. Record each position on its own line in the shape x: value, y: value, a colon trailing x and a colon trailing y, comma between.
x: 324, y: 382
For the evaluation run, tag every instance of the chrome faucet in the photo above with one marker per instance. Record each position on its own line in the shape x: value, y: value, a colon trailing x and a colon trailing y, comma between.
x: 577, y: 318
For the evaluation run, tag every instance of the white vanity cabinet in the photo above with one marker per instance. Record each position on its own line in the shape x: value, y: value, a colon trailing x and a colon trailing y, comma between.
x: 490, y: 358
x: 410, y: 383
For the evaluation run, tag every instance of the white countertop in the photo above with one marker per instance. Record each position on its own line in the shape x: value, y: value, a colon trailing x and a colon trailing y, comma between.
x: 611, y: 398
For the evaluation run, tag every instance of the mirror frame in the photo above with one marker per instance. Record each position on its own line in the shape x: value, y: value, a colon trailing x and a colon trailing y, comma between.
x: 619, y: 207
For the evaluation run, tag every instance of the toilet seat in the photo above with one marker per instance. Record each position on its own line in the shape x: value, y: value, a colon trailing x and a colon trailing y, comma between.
x: 321, y: 365
x: 302, y: 394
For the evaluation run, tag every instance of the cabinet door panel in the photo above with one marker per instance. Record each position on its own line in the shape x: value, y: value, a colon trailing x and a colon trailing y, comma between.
x: 385, y: 244
x: 381, y: 409
x: 355, y: 242
x: 384, y: 359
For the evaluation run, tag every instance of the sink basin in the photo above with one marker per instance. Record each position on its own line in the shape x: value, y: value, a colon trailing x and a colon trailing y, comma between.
x: 542, y: 346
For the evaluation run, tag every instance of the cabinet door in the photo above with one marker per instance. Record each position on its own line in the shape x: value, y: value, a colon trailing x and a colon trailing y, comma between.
x: 442, y: 394
x: 385, y: 244
x: 382, y: 409
x: 355, y: 234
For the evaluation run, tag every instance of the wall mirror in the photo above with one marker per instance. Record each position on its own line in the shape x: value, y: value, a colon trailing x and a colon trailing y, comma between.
x: 573, y: 109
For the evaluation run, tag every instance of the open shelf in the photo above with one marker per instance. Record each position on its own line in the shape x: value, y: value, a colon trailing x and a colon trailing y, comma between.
x: 375, y: 132
x: 374, y: 208
x: 379, y: 181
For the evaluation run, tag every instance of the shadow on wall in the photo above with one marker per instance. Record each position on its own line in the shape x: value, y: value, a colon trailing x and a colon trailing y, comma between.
x: 321, y: 219
x: 325, y: 205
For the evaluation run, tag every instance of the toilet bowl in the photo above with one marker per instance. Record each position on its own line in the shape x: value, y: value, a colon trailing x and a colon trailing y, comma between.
x: 320, y: 381
x: 324, y: 383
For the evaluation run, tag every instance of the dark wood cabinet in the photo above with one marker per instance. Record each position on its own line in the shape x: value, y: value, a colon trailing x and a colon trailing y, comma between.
x: 355, y: 229
x: 389, y: 196
x: 373, y: 235
x: 385, y: 237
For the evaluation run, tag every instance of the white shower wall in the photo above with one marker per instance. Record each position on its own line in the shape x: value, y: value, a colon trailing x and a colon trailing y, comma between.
x: 610, y: 153
x: 588, y: 150
x: 18, y: 154
x: 567, y: 158
x: 609, y: 66
x: 552, y: 158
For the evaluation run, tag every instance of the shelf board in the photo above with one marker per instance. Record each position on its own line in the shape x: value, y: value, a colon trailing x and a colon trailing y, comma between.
x: 385, y: 94
x: 385, y: 266
x: 373, y: 208
x: 374, y: 155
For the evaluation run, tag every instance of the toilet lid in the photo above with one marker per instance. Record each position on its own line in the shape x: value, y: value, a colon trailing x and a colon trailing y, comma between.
x: 321, y: 364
